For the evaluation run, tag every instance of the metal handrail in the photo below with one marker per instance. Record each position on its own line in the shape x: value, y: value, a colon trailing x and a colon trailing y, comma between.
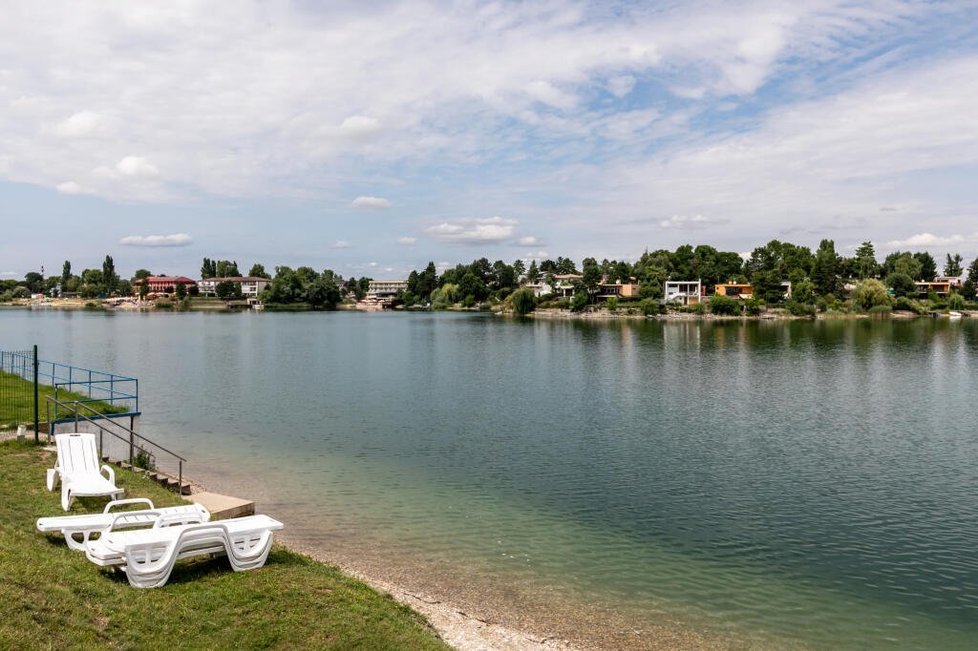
x: 102, y: 430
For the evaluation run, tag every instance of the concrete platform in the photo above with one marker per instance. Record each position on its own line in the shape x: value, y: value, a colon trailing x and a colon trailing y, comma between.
x: 223, y: 507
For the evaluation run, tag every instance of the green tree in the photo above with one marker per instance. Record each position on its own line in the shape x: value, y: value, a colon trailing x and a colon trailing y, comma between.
x: 181, y: 291
x: 724, y: 305
x: 952, y: 265
x: 208, y: 269
x: 902, y: 284
x: 227, y: 269
x: 533, y: 273
x: 258, y: 271
x: 591, y: 277
x: 110, y: 279
x: 865, y: 264
x: 65, y: 275
x: 870, y: 293
x: 767, y: 287
x: 902, y: 262
x: 968, y: 289
x: 825, y: 270
x: 141, y: 274
x: 803, y: 292
x: 143, y: 290
x: 524, y: 301
x: 323, y: 293
x: 928, y: 266
x: 579, y: 302
x: 225, y: 289
x: 34, y: 282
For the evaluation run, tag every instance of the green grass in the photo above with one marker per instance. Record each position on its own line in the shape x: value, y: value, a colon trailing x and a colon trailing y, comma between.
x: 17, y: 401
x: 52, y: 597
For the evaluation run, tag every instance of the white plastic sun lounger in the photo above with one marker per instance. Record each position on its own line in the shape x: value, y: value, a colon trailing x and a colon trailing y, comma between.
x: 78, y: 529
x: 148, y: 555
x: 77, y: 468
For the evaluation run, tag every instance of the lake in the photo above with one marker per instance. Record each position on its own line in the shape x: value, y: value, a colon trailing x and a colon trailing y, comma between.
x: 765, y: 484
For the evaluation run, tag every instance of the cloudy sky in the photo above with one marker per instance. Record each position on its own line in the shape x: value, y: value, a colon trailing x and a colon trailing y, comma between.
x: 372, y: 137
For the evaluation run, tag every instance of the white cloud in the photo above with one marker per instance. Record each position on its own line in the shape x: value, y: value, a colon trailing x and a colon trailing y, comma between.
x: 358, y: 127
x: 70, y: 187
x: 341, y: 244
x: 177, y: 239
x: 78, y: 125
x: 407, y: 241
x: 529, y: 240
x: 473, y: 231
x: 690, y: 222
x: 621, y: 86
x: 370, y: 203
x: 10, y: 274
x: 926, y: 240
x: 136, y: 166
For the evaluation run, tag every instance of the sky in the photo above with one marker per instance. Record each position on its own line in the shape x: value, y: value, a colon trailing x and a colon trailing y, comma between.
x: 370, y: 138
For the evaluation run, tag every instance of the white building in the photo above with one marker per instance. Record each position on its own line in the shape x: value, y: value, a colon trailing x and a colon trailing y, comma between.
x: 385, y: 288
x: 251, y: 286
x: 684, y: 292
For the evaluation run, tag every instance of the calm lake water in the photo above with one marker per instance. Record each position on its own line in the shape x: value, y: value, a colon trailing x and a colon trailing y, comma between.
x: 810, y: 484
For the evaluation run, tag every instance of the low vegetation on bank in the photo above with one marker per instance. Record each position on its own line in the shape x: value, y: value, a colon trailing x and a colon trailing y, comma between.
x: 51, y: 597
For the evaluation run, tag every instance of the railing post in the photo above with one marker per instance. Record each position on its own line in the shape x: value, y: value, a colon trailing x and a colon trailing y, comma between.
x: 37, y: 417
x: 131, y: 444
x: 180, y: 477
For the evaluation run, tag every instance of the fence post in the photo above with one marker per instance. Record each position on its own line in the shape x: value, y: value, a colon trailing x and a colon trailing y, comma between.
x: 37, y: 415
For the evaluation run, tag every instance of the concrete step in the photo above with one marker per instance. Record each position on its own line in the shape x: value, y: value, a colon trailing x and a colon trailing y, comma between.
x: 223, y: 507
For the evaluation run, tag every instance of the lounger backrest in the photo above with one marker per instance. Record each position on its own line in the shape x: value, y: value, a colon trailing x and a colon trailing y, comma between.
x: 77, y: 454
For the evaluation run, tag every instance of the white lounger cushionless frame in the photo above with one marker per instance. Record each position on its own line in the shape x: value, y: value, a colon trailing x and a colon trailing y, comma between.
x: 148, y: 555
x: 77, y: 468
x: 72, y: 526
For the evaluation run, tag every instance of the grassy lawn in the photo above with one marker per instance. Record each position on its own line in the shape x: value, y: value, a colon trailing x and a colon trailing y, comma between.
x: 17, y: 401
x: 51, y: 597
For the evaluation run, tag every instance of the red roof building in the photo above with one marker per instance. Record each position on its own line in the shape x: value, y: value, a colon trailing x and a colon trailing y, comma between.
x: 166, y: 284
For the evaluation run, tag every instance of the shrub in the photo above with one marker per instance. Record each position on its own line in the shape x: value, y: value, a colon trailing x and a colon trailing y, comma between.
x: 523, y: 301
x: 880, y: 311
x: 468, y: 301
x: 650, y: 306
x: 613, y: 304
x: 579, y: 302
x: 797, y: 308
x: 870, y: 293
x: 698, y: 308
x: 724, y: 305
x: 902, y: 284
x: 752, y: 306
x: 905, y: 304
x: 956, y: 301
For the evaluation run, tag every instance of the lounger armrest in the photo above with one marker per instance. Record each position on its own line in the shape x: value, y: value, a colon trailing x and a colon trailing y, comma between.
x: 134, y: 500
x: 126, y: 519
x: 185, y: 517
x: 109, y: 472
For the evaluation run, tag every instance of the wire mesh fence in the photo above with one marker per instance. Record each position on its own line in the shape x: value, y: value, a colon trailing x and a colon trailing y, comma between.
x: 18, y: 395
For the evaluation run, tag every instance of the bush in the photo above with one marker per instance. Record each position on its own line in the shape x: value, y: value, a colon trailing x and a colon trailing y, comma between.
x: 880, y: 310
x: 870, y: 293
x: 905, y: 304
x: 698, y: 308
x: 579, y: 302
x: 902, y: 284
x: 613, y: 304
x: 752, y: 306
x: 797, y: 308
x: 724, y: 305
x: 650, y: 306
x: 956, y: 301
x: 468, y: 301
x: 523, y: 301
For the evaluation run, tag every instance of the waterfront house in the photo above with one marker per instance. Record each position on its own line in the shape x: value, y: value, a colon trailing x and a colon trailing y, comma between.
x: 251, y: 286
x: 684, y: 292
x: 564, y: 285
x: 538, y: 289
x: 381, y: 289
x: 616, y: 290
x: 941, y: 288
x: 745, y: 290
x: 164, y: 284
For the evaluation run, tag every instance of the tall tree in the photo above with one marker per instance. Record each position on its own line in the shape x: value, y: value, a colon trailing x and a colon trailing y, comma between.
x: 65, y: 275
x: 952, y: 265
x: 258, y: 271
x: 109, y: 277
x: 34, y: 282
x: 533, y: 273
x: 928, y: 266
x: 825, y: 271
x: 865, y: 262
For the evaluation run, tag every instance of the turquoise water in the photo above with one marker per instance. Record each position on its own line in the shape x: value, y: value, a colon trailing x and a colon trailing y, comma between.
x: 791, y: 483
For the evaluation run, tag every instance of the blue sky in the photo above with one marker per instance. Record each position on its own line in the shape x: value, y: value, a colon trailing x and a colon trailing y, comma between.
x: 371, y: 138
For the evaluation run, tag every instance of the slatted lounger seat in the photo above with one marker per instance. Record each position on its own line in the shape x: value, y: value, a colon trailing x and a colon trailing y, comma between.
x: 77, y: 529
x: 148, y: 555
x: 77, y: 468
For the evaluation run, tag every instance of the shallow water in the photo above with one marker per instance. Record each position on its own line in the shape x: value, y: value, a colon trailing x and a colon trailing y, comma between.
x: 772, y: 484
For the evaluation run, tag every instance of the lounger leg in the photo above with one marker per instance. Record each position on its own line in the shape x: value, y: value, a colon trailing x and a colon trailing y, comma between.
x: 53, y: 476
x: 66, y: 496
